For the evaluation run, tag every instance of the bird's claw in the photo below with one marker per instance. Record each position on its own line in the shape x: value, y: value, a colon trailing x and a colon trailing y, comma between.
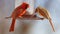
x: 42, y: 18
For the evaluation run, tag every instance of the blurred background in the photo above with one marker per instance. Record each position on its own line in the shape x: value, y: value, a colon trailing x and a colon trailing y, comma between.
x: 38, y: 26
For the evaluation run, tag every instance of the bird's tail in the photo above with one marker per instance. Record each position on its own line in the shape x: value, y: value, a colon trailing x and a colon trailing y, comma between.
x: 52, y: 24
x: 12, y: 25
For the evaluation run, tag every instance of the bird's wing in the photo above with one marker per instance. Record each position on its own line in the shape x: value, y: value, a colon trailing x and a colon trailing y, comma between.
x: 43, y: 12
x: 46, y: 12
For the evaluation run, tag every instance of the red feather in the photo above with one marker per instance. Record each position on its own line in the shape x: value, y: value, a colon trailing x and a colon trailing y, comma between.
x: 19, y: 11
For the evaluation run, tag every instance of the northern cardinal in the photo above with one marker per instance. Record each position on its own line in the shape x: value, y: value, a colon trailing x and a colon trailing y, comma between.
x: 18, y: 12
x: 43, y: 12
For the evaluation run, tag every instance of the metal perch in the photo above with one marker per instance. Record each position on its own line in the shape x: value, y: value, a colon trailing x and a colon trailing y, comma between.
x: 28, y: 17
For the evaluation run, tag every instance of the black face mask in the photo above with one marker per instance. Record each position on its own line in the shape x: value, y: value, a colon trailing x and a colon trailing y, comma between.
x: 26, y: 6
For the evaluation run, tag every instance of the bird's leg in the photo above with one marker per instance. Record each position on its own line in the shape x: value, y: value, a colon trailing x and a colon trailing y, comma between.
x: 34, y: 15
x: 20, y: 17
x: 42, y: 18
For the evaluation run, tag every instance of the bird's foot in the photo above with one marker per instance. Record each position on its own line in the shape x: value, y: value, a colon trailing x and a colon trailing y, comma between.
x: 42, y: 18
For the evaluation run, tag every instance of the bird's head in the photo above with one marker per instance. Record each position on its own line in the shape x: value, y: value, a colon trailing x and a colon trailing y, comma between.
x: 25, y: 5
x: 37, y: 9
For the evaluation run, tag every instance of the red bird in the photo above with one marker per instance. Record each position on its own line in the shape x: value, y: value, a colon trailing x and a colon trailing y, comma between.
x: 18, y: 12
